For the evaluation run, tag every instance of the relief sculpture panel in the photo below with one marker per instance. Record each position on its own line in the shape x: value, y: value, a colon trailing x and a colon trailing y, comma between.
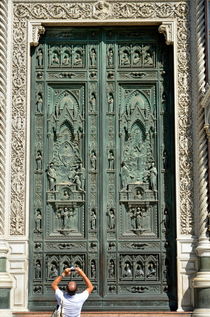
x: 101, y: 194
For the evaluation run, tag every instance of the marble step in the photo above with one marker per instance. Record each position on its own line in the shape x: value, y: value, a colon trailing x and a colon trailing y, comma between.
x: 110, y: 314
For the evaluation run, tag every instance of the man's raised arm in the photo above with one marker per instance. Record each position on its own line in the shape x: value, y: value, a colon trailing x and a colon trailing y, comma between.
x: 55, y: 283
x: 88, y: 283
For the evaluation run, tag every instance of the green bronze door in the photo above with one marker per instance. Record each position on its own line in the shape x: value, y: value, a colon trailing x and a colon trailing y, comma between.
x: 102, y: 167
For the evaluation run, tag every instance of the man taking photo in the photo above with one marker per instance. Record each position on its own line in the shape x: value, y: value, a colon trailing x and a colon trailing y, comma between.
x: 71, y: 301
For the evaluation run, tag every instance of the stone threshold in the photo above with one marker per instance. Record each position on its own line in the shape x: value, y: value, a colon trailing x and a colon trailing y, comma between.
x: 110, y: 314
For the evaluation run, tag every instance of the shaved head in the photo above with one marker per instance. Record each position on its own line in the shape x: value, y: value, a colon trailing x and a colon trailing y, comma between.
x: 71, y: 288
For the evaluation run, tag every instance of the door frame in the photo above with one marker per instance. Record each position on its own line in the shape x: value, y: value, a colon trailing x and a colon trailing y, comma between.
x: 33, y: 27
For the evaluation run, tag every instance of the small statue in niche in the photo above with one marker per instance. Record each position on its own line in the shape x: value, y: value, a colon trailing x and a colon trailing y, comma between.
x: 65, y: 218
x: 39, y: 57
x: 111, y: 160
x: 77, y: 181
x: 139, y: 216
x: 111, y: 269
x: 127, y: 272
x: 110, y: 102
x: 66, y: 194
x: 148, y: 58
x: 38, y: 221
x: 139, y: 270
x: 93, y: 160
x: 125, y: 175
x: 151, y: 271
x: 93, y: 219
x: 136, y: 58
x: 93, y: 57
x: 53, y: 271
x: 153, y: 177
x: 110, y: 56
x: 38, y: 160
x: 51, y: 175
x: 111, y: 218
x: 139, y: 194
x: 66, y: 59
x: 125, y: 58
x: 72, y: 218
x: 39, y: 103
x: 92, y: 102
x: 78, y: 58
x: 93, y: 269
x: 55, y: 59
x: 38, y: 271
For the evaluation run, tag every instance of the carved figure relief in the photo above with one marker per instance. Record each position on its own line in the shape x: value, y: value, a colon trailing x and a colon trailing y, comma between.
x: 39, y: 160
x: 127, y: 270
x: 55, y: 60
x: 125, y: 58
x: 153, y: 177
x: 93, y: 160
x: 39, y: 57
x: 39, y: 103
x: 139, y: 272
x: 38, y: 221
x: 93, y: 57
x: 67, y: 57
x: 38, y: 270
x: 51, y: 175
x: 53, y: 270
x: 93, y: 269
x: 111, y: 219
x: 110, y: 102
x: 111, y: 159
x: 93, y: 102
x: 151, y: 270
x: 125, y: 176
x: 67, y: 216
x: 73, y: 112
x: 93, y: 219
x: 77, y: 57
x: 111, y: 269
x: 110, y: 57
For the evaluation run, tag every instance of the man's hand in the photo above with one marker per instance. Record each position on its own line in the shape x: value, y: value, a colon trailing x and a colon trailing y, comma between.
x: 78, y: 270
x: 67, y: 272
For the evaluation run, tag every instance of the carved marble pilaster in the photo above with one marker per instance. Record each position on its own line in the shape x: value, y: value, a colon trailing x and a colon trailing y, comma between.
x: 3, y: 77
x: 201, y: 140
x: 201, y: 282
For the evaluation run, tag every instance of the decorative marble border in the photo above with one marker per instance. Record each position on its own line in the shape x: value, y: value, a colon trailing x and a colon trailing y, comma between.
x: 3, y: 83
x: 95, y: 12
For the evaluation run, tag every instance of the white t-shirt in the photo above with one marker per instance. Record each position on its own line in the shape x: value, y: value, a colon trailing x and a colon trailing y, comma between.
x: 72, y: 305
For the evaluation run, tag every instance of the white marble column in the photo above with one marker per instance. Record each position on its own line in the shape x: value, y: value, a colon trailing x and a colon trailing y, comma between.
x: 201, y: 282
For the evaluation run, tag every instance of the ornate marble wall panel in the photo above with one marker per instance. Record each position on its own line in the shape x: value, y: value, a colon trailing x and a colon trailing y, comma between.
x: 3, y: 77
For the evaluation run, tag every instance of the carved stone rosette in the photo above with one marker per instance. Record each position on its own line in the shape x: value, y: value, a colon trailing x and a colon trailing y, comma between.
x: 95, y: 11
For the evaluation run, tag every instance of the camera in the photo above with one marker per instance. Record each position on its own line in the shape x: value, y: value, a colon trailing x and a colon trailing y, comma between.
x: 72, y: 268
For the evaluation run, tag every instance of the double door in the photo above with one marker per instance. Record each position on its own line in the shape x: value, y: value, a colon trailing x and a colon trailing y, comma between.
x: 102, y: 170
